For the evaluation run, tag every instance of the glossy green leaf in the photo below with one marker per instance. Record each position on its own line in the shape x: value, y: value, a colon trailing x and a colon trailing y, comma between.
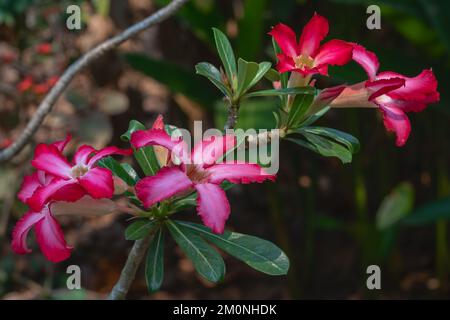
x: 118, y: 170
x: 272, y: 75
x: 213, y: 74
x: 140, y: 228
x: 395, y: 206
x: 281, y: 92
x: 154, y: 266
x: 144, y: 156
x: 246, y: 73
x: 226, y: 54
x: 300, y: 105
x: 207, y: 261
x: 259, y: 254
x: 346, y: 139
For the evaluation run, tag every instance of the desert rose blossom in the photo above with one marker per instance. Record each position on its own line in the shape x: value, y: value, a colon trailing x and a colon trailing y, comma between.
x: 198, y: 171
x: 48, y: 231
x: 392, y: 93
x: 69, y: 181
x: 306, y: 56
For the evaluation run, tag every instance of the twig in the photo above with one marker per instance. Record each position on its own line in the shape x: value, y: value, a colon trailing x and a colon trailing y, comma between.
x: 128, y: 273
x: 233, y: 114
x: 46, y: 105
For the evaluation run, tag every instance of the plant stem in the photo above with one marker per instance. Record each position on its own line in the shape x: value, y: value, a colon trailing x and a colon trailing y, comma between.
x: 128, y: 273
x: 233, y: 114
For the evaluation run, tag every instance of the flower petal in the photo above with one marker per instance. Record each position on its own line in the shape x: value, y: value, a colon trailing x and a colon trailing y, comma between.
x: 106, y: 152
x: 29, y: 185
x: 70, y: 193
x: 45, y: 193
x: 383, y: 86
x: 98, y: 182
x: 49, y: 159
x: 313, y: 33
x: 211, y: 149
x: 366, y: 59
x: 166, y: 183
x: 286, y: 39
x: 82, y: 154
x: 285, y: 63
x: 51, y: 238
x: 418, y: 88
x: 397, y: 121
x: 236, y: 172
x: 159, y: 137
x: 334, y: 52
x: 21, y: 229
x: 212, y: 206
x: 159, y: 123
x: 60, y: 145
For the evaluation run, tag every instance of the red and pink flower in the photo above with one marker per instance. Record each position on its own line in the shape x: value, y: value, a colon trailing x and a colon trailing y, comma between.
x: 69, y: 181
x: 307, y: 56
x: 198, y: 171
x: 392, y: 93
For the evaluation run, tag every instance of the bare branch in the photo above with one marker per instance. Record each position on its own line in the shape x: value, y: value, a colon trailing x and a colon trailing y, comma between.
x: 46, y: 105
x: 128, y: 273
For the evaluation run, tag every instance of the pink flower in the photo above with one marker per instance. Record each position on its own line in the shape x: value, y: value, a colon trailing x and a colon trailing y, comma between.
x: 48, y: 235
x: 392, y: 93
x: 198, y: 171
x: 48, y: 232
x: 67, y: 181
x: 307, y: 56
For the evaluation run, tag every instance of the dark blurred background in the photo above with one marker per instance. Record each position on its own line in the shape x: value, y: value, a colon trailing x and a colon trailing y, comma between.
x: 389, y: 207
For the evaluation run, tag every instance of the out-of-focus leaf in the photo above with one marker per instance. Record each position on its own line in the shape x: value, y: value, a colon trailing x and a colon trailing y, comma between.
x: 207, y: 261
x: 226, y: 54
x: 154, y: 266
x: 395, y: 206
x: 259, y: 254
x: 176, y: 78
x: 429, y: 213
x: 251, y: 29
x: 140, y: 228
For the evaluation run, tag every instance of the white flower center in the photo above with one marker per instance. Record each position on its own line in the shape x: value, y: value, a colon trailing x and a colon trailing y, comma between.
x: 79, y: 170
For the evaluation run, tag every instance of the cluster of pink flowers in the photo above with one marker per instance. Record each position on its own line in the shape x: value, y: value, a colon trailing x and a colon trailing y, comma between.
x: 392, y: 93
x: 57, y: 179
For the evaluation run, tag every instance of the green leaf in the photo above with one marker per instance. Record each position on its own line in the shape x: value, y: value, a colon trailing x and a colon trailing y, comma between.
x: 118, y: 170
x: 246, y: 73
x: 146, y: 156
x: 324, y: 147
x: 226, y: 55
x: 140, y: 228
x: 209, y: 71
x: 154, y: 266
x: 259, y: 254
x: 395, y: 206
x: 207, y: 261
x: 299, y: 107
x: 281, y: 92
x: 131, y: 172
x: 272, y: 75
x: 346, y: 139
x: 429, y: 213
